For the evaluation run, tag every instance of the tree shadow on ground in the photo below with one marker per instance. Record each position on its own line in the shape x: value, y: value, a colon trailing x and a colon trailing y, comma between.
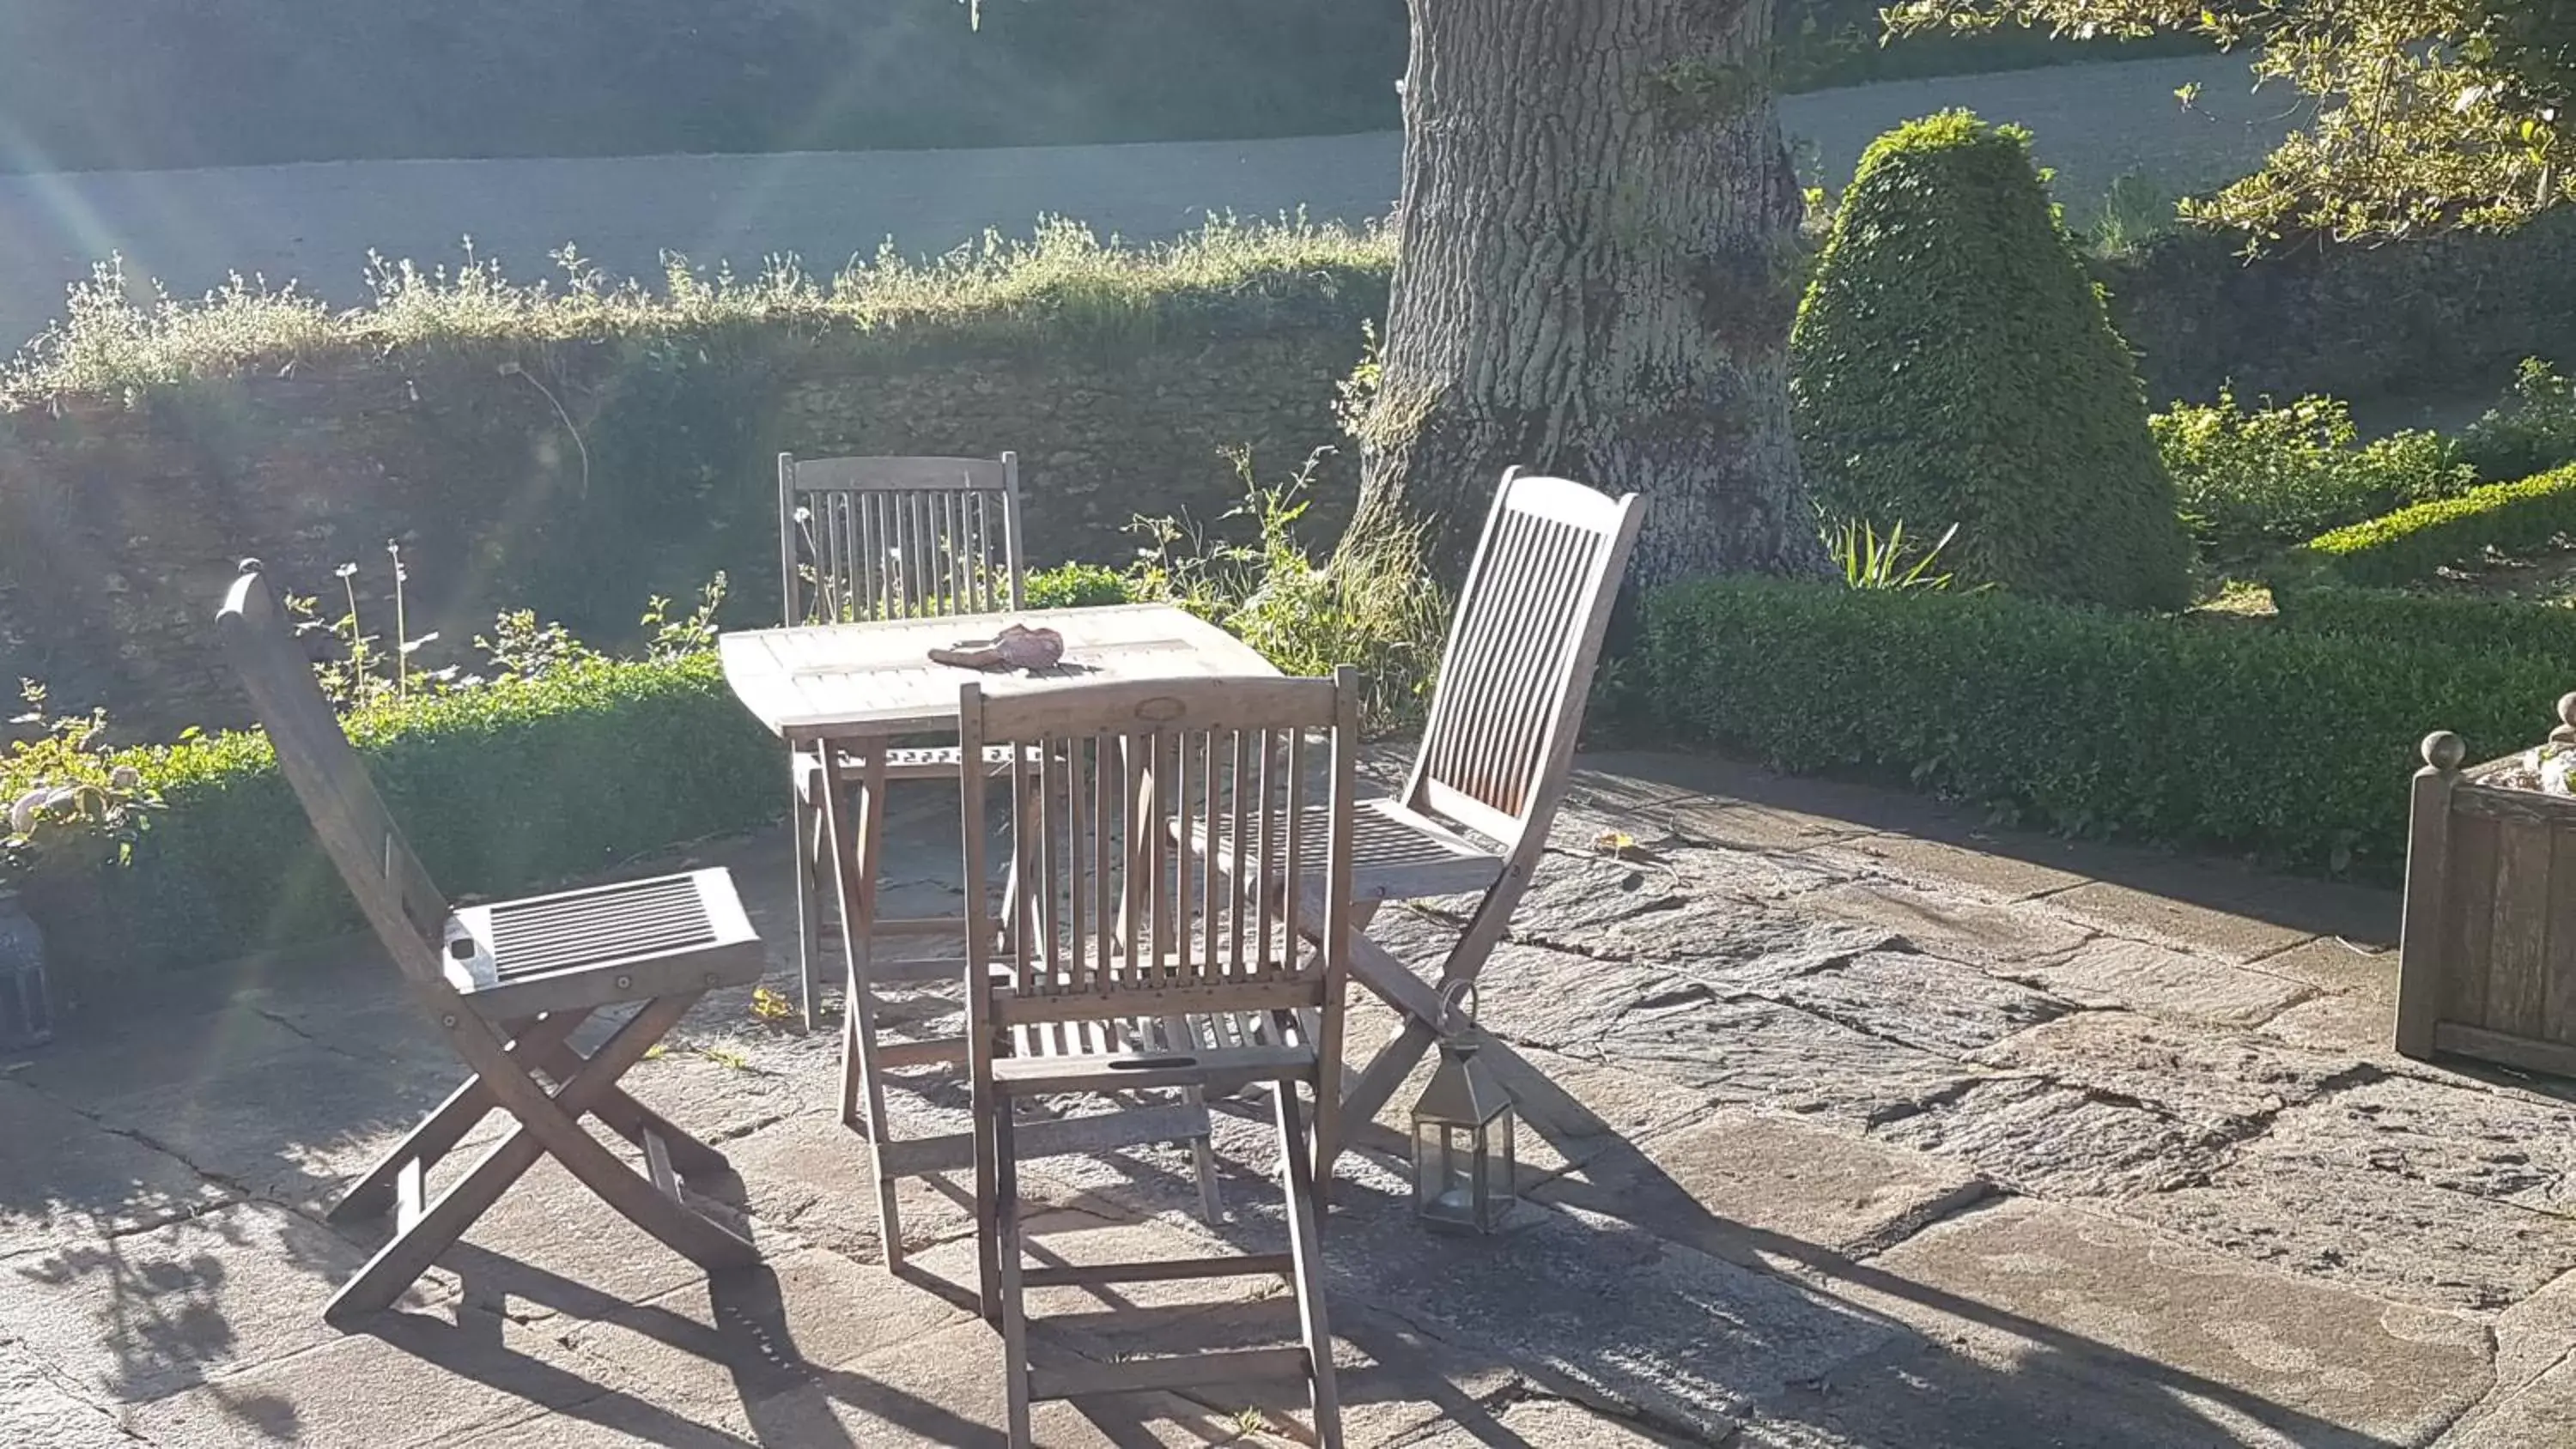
x: 1744, y: 1330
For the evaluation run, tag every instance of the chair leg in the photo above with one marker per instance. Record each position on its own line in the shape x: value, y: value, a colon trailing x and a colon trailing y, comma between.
x: 547, y: 1124
x: 809, y: 902
x: 622, y: 1114
x: 372, y: 1195
x: 1006, y: 1244
x: 990, y: 1110
x: 1296, y: 1149
x: 854, y: 870
x: 1203, y: 1163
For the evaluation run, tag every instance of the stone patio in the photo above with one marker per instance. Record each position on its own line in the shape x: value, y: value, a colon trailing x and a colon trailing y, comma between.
x: 1903, y: 1134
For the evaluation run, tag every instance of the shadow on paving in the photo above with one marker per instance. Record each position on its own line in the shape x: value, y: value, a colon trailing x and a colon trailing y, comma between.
x: 1748, y: 1337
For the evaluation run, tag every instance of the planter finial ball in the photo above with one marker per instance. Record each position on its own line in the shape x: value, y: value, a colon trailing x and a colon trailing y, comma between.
x: 2567, y: 709
x: 2443, y: 750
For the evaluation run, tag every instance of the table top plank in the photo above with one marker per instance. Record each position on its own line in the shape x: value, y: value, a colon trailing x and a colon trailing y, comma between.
x: 839, y: 681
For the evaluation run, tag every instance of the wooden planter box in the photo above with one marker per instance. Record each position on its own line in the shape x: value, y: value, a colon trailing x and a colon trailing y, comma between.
x: 2487, y: 964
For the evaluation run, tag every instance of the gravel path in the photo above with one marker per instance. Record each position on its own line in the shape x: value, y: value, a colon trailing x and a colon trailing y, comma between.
x: 315, y: 223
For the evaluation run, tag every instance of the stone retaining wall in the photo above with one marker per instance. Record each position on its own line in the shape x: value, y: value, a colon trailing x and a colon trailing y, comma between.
x: 121, y: 519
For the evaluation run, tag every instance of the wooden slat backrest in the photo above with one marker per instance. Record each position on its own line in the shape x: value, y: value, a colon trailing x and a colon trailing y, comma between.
x: 898, y: 538
x: 1117, y: 918
x: 1518, y: 667
x: 400, y: 901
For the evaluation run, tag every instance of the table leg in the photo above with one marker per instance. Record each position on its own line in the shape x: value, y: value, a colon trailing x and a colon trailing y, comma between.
x: 857, y: 851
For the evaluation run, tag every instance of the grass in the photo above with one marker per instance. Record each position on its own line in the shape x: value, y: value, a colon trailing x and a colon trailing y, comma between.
x: 1062, y: 281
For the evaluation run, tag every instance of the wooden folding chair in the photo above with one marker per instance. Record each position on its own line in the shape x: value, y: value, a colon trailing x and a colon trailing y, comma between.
x: 506, y: 985
x: 1133, y: 966
x: 1474, y: 815
x: 886, y: 538
x: 904, y: 538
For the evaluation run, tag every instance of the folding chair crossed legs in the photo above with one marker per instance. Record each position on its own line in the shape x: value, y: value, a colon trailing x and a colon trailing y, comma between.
x: 507, y: 985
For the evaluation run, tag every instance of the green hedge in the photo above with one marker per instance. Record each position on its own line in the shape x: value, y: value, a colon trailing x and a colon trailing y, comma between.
x: 1953, y: 365
x: 501, y: 789
x: 2218, y: 732
x: 2408, y: 545
x: 2430, y: 316
x: 2488, y: 625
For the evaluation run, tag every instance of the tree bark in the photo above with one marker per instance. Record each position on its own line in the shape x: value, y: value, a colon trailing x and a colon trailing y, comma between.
x: 1597, y: 271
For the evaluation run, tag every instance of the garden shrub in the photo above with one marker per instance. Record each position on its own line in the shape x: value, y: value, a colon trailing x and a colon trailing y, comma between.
x: 2252, y: 478
x: 1076, y: 586
x: 2532, y: 430
x: 2221, y: 732
x: 2458, y: 621
x: 502, y: 789
x: 1954, y: 365
x: 2412, y: 543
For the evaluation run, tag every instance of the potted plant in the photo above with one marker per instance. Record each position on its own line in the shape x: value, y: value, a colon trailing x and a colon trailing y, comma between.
x: 69, y: 809
x: 2487, y: 951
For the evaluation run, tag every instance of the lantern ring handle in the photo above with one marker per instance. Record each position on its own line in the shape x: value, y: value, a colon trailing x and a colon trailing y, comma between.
x: 1450, y: 996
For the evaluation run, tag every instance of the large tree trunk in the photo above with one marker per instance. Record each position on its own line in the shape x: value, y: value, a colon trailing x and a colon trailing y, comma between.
x: 1596, y: 278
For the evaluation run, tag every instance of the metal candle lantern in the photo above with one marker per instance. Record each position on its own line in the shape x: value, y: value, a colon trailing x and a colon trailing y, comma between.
x: 1464, y: 1154
x: 26, y: 1016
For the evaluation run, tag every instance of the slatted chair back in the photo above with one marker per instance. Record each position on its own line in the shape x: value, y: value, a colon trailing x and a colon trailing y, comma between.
x: 402, y: 904
x: 1115, y: 916
x: 898, y: 538
x: 1518, y: 668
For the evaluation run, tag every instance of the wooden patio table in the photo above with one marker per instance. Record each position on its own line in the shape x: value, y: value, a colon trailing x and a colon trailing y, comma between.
x: 855, y: 688
x: 852, y: 690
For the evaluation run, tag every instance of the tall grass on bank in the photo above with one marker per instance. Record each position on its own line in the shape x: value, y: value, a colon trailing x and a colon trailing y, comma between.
x: 1064, y: 279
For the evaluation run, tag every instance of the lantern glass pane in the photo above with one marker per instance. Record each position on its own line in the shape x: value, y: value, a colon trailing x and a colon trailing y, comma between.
x: 1501, y: 1164
x: 1429, y: 1142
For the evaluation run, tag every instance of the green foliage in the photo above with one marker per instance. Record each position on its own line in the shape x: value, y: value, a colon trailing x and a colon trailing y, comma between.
x: 2410, y: 544
x: 2251, y: 479
x: 2234, y: 733
x: 1868, y: 561
x: 1063, y: 287
x: 505, y: 788
x: 1076, y: 586
x: 1376, y: 608
x: 2426, y: 114
x: 2487, y: 625
x: 64, y: 803
x: 2532, y: 430
x: 1954, y: 363
x: 2135, y: 210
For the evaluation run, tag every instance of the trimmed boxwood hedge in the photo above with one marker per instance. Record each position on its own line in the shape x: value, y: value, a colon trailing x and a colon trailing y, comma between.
x: 2228, y: 732
x: 502, y: 789
x: 2408, y: 545
x: 2488, y: 625
x: 1954, y: 365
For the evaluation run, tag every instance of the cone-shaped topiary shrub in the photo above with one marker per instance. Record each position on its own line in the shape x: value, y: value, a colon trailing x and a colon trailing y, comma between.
x: 1955, y: 364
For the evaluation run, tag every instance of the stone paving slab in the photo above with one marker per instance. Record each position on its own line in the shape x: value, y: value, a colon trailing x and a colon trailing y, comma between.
x: 92, y: 1181
x: 2182, y: 924
x: 290, y: 1128
x: 135, y: 1317
x: 36, y: 1412
x: 414, y: 1380
x: 2543, y: 1414
x: 1953, y: 927
x: 2112, y: 972
x: 1747, y: 1186
x: 2313, y: 1363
